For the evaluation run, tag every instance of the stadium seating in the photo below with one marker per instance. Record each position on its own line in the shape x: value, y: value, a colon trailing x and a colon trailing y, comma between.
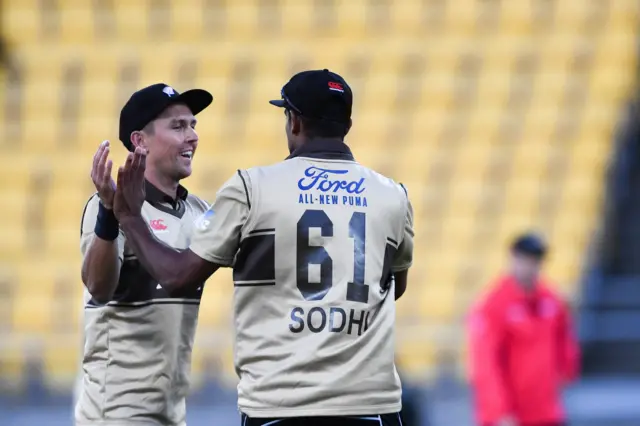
x: 497, y: 116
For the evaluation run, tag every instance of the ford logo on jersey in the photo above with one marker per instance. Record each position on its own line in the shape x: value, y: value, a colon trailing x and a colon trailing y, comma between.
x: 321, y: 179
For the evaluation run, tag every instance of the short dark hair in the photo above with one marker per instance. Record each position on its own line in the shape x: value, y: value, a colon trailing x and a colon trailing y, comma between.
x: 315, y: 128
x: 530, y: 244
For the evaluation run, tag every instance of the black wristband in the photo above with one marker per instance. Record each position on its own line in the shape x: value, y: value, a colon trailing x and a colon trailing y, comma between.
x: 107, y: 226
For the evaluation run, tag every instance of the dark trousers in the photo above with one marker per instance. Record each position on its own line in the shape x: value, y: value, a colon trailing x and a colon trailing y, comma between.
x: 394, y: 419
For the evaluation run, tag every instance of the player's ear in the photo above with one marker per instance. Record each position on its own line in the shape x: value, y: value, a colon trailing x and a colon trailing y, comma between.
x: 295, y: 123
x: 138, y: 140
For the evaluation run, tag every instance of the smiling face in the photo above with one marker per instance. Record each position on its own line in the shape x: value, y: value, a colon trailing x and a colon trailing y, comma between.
x: 171, y: 142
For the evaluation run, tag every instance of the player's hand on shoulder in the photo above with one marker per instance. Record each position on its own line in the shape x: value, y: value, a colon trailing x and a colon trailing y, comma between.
x: 101, y: 175
x: 130, y: 192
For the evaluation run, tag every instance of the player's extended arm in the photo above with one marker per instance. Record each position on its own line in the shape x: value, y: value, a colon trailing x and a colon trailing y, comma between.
x: 100, y: 237
x: 173, y: 269
x: 101, y: 269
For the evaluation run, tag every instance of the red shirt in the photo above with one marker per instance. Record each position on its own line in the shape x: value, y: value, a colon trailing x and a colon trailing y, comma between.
x: 522, y: 350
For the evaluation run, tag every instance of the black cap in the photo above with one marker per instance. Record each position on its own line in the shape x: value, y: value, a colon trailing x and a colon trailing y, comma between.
x: 530, y: 244
x: 146, y: 104
x: 318, y: 94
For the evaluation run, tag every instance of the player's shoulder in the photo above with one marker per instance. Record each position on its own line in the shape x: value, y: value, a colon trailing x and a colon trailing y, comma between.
x: 387, y: 181
x: 270, y: 168
x: 265, y: 172
x: 392, y: 190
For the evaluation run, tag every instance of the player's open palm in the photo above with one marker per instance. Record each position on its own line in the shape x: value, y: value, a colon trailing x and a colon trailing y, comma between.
x: 130, y: 192
x: 101, y: 175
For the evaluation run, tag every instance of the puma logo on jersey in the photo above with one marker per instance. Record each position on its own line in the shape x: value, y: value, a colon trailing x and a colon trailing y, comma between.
x: 329, y: 200
x: 320, y: 179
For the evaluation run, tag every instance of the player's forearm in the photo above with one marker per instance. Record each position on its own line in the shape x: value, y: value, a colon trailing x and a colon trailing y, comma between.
x: 163, y: 263
x: 101, y: 269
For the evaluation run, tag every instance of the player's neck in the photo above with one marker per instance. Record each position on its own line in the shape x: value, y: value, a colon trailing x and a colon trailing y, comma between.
x: 320, y: 140
x: 314, y: 142
x: 167, y: 185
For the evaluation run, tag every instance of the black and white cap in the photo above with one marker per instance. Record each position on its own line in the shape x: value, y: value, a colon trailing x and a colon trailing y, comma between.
x: 146, y: 104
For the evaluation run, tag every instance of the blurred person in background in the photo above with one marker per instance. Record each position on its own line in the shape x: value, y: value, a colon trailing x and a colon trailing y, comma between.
x: 138, y: 335
x: 522, y: 345
x: 320, y: 247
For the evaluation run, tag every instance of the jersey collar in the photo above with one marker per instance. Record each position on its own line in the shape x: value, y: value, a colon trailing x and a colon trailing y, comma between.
x: 329, y: 149
x: 155, y: 195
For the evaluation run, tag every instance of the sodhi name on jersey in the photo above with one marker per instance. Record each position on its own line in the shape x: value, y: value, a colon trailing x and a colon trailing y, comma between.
x: 331, y: 320
x: 318, y: 180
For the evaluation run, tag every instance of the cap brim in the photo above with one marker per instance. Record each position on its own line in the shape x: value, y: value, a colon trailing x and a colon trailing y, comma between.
x: 196, y: 99
x: 280, y: 103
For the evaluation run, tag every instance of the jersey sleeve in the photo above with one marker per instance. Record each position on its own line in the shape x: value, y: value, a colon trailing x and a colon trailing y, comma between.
x: 216, y: 236
x: 404, y: 256
x: 88, y: 225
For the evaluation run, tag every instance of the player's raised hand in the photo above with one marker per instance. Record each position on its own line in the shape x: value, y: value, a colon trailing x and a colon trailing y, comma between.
x: 130, y: 192
x: 101, y: 175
